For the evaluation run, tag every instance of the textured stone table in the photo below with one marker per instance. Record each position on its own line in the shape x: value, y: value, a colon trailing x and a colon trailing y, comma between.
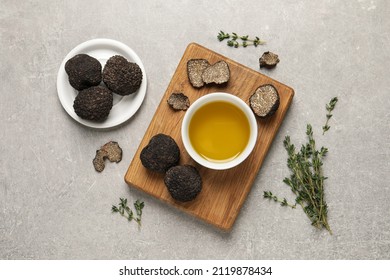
x: 53, y: 205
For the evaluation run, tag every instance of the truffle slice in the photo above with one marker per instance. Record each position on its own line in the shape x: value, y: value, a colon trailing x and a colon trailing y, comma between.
x: 160, y: 154
x: 183, y: 182
x: 265, y: 101
x: 218, y: 73
x: 121, y: 76
x: 93, y: 103
x: 268, y: 60
x: 83, y: 71
x: 111, y: 151
x: 178, y: 101
x: 195, y: 68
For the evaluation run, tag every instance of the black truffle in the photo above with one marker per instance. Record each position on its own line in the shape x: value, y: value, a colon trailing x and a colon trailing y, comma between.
x: 160, y: 154
x: 111, y: 150
x: 268, y: 60
x: 218, y: 73
x: 265, y: 101
x: 83, y: 71
x: 195, y: 68
x: 183, y: 182
x: 93, y: 103
x: 121, y: 76
x: 178, y: 101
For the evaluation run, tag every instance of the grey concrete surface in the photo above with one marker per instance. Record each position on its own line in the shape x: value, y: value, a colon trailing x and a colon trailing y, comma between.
x: 53, y: 205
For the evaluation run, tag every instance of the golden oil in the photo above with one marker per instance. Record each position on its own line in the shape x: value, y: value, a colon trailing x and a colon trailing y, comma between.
x: 219, y: 131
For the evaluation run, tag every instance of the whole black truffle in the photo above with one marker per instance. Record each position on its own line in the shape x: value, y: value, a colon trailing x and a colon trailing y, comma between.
x: 121, y: 76
x: 83, y: 71
x: 160, y: 154
x: 93, y: 103
x: 183, y: 182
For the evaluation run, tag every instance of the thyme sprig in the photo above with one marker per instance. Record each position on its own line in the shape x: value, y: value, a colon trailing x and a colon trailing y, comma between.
x: 283, y: 202
x: 306, y: 179
x: 233, y: 40
x: 127, y: 213
x: 329, y: 108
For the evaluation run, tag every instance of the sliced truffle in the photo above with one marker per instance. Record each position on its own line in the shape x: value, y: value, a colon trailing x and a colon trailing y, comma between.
x: 265, y: 101
x: 93, y: 103
x: 218, y: 73
x: 195, y: 68
x: 121, y: 76
x: 160, y: 154
x: 83, y: 71
x: 178, y: 101
x: 111, y: 151
x: 268, y: 60
x: 183, y: 182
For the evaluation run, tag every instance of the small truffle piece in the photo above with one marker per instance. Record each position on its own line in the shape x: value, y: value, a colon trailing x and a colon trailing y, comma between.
x: 183, y: 182
x: 178, y: 101
x: 121, y: 76
x: 265, y: 101
x: 268, y: 60
x: 83, y: 71
x: 195, y: 68
x: 93, y: 103
x: 111, y: 151
x: 218, y: 73
x: 160, y: 154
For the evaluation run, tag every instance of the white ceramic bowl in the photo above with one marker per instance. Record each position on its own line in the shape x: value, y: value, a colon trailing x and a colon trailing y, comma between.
x: 212, y: 97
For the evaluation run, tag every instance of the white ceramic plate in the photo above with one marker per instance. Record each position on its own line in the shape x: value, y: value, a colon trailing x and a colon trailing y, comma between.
x: 124, y: 106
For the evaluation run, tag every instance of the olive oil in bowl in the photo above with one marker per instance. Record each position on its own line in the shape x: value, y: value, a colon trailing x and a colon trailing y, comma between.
x: 219, y: 131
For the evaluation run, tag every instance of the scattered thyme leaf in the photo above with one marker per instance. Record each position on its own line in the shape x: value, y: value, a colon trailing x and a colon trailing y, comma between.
x: 125, y: 211
x: 329, y: 108
x: 283, y: 202
x: 233, y: 40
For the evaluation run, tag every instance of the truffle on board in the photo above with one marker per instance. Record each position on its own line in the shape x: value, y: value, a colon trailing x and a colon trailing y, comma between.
x: 218, y: 73
x: 93, y: 103
x: 111, y: 150
x: 160, y: 154
x: 178, y: 101
x: 268, y: 60
x: 121, y: 76
x: 183, y: 182
x: 195, y: 68
x: 265, y: 101
x: 83, y: 71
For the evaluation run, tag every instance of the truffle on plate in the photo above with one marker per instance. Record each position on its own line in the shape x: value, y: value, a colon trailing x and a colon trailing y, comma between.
x: 83, y: 71
x: 121, y: 76
x: 160, y: 154
x: 195, y: 68
x: 268, y: 60
x: 218, y: 73
x: 178, y: 101
x: 183, y: 182
x: 265, y: 101
x: 111, y: 150
x: 93, y: 103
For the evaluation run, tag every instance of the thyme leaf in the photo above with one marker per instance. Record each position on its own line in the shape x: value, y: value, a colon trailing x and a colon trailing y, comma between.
x: 329, y: 108
x: 124, y: 210
x: 233, y: 40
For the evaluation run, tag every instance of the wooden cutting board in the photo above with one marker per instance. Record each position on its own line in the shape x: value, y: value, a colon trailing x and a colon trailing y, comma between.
x: 223, y: 192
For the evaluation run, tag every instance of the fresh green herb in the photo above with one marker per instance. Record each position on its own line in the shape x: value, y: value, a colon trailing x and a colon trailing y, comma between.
x: 329, y: 109
x: 126, y: 212
x: 306, y: 179
x: 244, y: 40
x: 283, y: 202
